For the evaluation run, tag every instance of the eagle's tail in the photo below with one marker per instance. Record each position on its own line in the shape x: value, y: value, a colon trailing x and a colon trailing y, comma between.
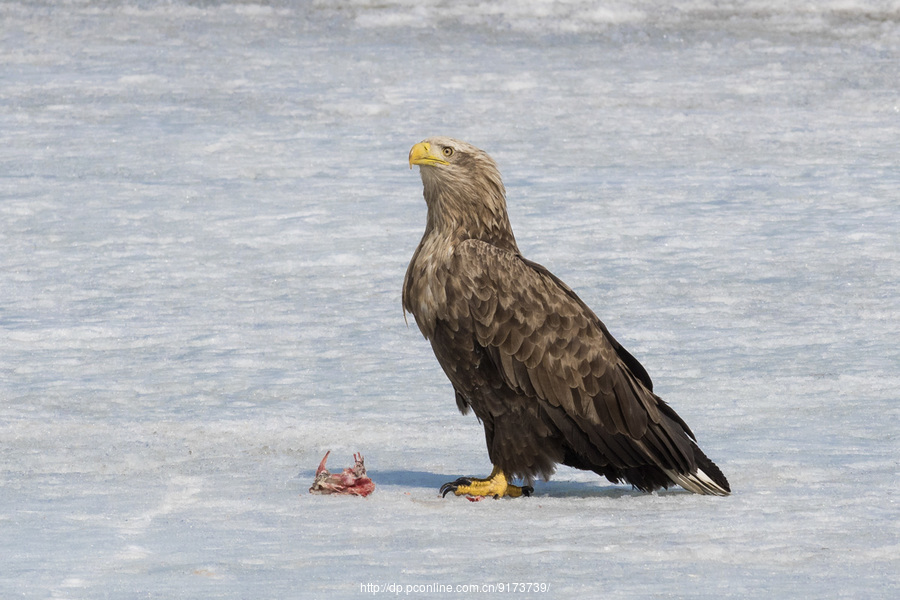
x: 707, y: 479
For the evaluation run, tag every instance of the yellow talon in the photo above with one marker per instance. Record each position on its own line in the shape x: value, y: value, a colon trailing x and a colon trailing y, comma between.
x: 495, y: 485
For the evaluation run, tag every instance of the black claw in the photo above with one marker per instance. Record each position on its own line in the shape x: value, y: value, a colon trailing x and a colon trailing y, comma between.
x: 527, y: 490
x: 453, y: 485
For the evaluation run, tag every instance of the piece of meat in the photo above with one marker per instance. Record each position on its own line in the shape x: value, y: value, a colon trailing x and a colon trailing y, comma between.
x: 352, y: 481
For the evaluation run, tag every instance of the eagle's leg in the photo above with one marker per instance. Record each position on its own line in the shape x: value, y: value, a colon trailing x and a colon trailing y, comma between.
x: 495, y: 485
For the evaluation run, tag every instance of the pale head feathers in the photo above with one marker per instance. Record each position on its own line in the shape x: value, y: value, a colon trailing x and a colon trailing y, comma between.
x: 465, y: 194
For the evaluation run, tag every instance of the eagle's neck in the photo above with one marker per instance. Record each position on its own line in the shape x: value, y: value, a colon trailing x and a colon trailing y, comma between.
x: 456, y: 213
x: 462, y: 212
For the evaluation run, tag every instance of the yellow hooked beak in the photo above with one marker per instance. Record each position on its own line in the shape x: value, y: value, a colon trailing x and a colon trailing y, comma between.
x: 420, y: 154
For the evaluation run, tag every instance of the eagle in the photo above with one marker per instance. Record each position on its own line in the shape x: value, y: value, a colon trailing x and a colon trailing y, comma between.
x: 541, y: 372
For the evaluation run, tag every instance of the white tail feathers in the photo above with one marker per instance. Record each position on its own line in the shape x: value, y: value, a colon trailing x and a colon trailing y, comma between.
x: 699, y: 483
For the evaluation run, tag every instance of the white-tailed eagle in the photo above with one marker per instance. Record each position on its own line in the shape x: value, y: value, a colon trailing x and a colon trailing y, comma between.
x: 526, y: 354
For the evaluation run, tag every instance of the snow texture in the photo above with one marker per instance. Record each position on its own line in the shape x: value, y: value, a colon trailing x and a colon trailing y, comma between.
x: 205, y: 218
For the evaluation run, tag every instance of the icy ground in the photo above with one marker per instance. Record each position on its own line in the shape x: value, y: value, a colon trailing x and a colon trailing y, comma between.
x: 206, y: 214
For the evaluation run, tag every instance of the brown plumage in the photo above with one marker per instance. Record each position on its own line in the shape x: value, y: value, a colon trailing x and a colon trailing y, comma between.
x: 525, y: 353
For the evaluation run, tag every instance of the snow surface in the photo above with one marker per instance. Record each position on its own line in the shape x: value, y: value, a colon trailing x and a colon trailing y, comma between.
x: 206, y: 218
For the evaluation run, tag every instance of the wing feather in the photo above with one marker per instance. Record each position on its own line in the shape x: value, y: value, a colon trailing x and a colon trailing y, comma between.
x: 648, y: 401
x: 547, y: 343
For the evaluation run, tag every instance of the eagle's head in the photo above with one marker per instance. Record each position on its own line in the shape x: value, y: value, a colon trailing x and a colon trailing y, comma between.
x: 463, y: 189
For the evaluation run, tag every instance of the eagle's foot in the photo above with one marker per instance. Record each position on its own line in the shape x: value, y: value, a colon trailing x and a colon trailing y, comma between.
x: 495, y: 485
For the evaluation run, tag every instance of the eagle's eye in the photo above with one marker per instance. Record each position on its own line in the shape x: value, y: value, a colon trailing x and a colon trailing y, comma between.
x: 448, y: 152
